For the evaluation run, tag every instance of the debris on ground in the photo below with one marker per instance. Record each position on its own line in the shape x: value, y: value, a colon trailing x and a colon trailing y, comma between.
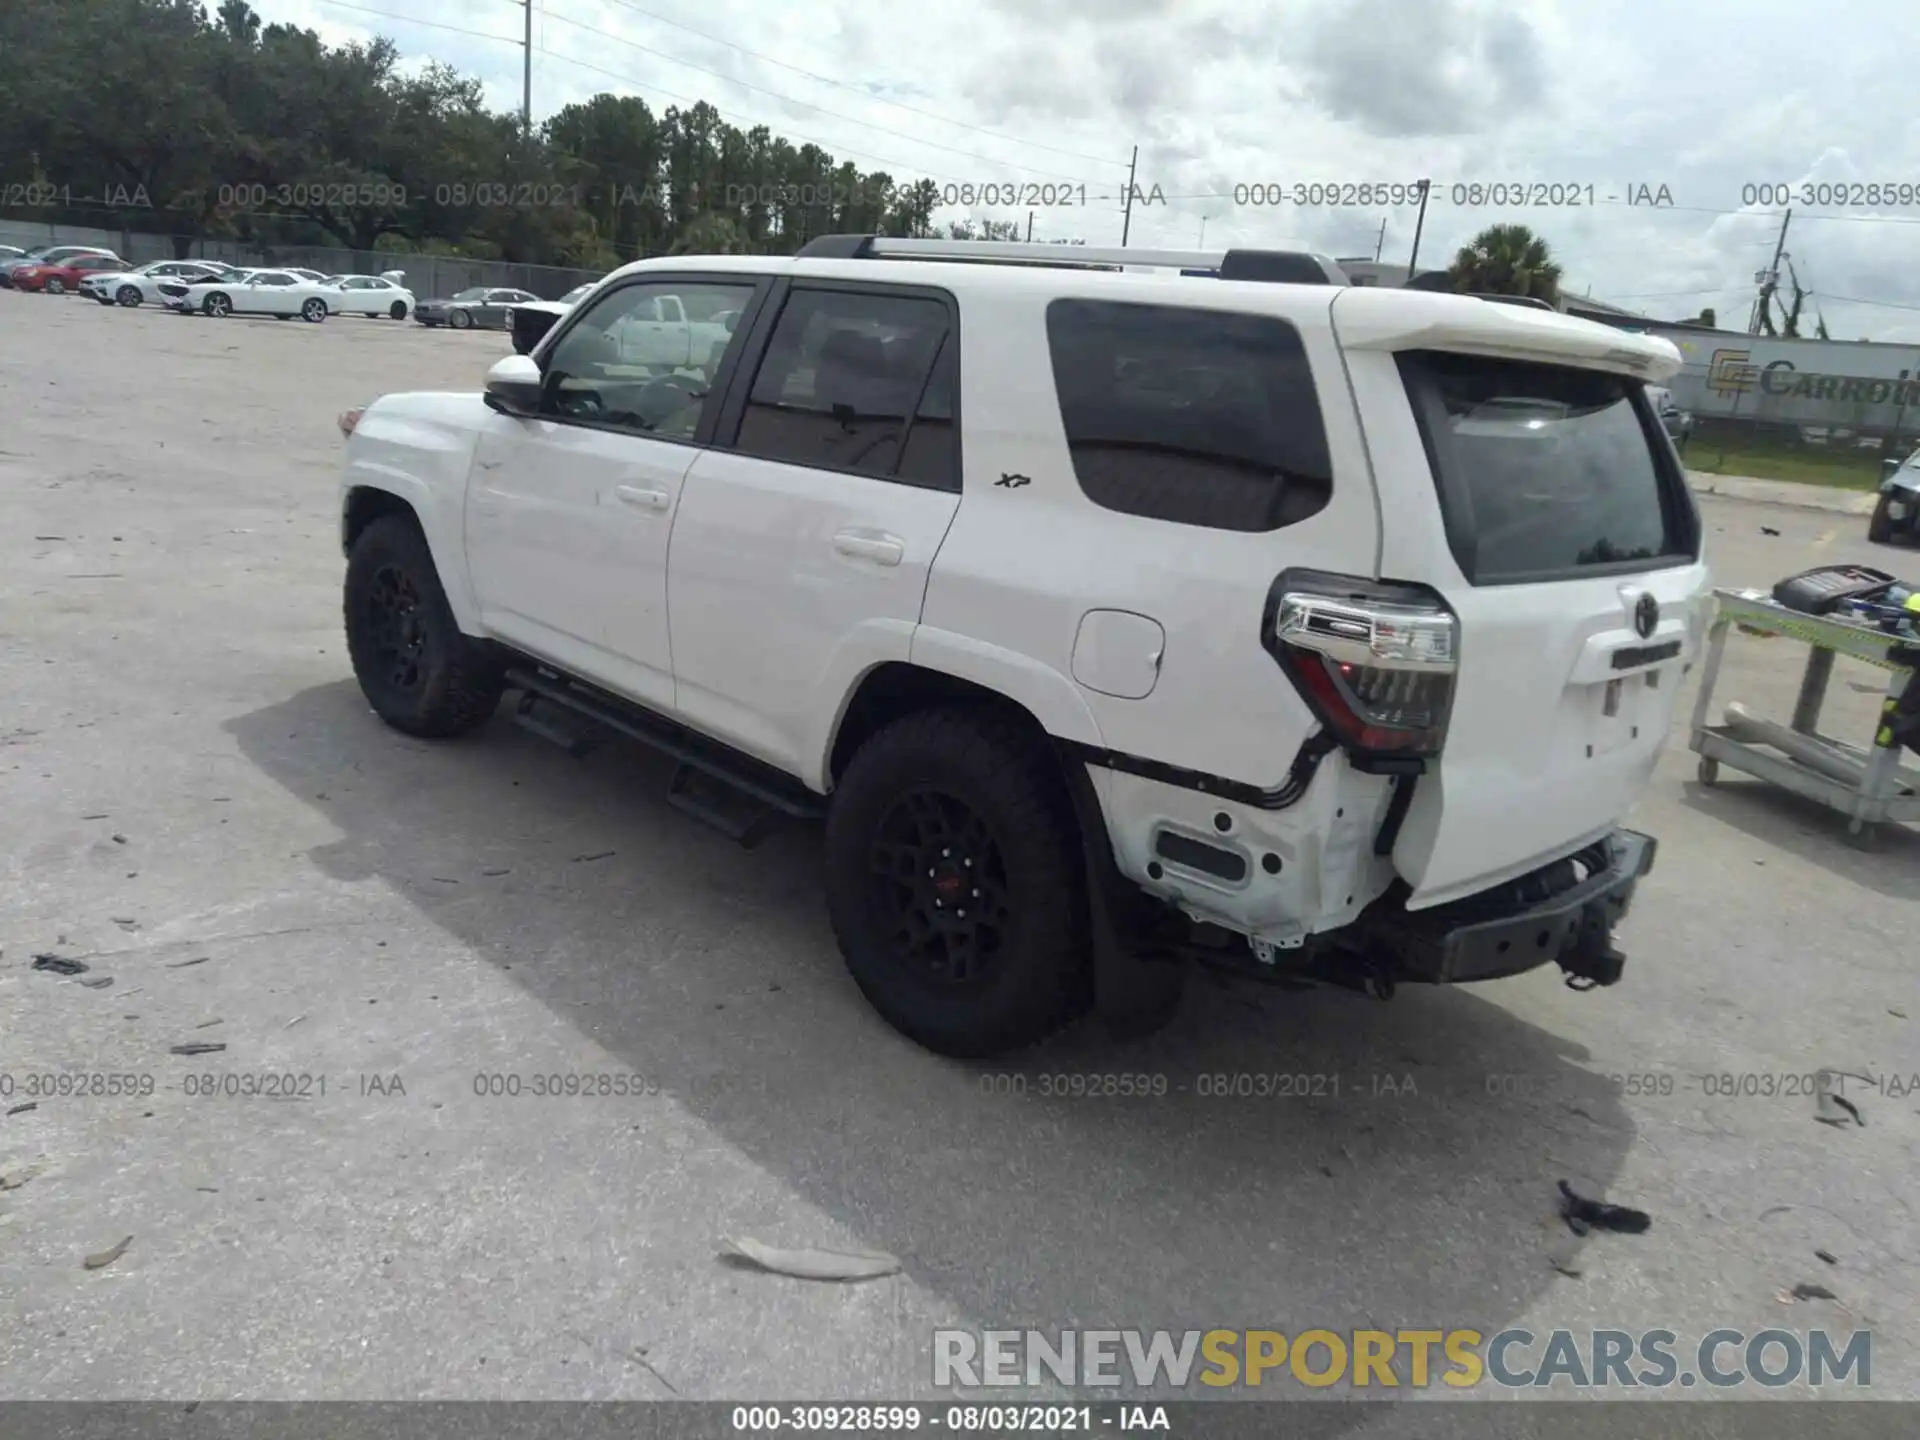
x: 199, y: 1047
x: 107, y: 1257
x: 119, y: 839
x: 1566, y: 1259
x: 810, y: 1264
x: 182, y: 964
x: 15, y: 1180
x: 208, y: 1024
x: 98, y: 982
x: 597, y: 855
x: 1768, y: 530
x: 1583, y: 1215
x: 1804, y: 1291
x: 60, y: 965
x: 1830, y: 1107
x: 1827, y: 1256
x: 293, y: 1022
x: 23, y: 1107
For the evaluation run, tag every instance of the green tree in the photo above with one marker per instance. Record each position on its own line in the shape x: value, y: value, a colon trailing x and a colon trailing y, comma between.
x: 1506, y: 260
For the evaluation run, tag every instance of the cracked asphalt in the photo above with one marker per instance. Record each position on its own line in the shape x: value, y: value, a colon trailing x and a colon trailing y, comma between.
x: 196, y: 802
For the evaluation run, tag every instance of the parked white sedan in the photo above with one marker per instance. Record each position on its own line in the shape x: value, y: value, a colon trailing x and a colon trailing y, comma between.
x: 141, y: 285
x: 369, y: 295
x: 280, y: 293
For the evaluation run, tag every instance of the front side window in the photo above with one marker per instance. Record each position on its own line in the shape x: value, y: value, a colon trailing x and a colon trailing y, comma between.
x: 1196, y: 417
x: 609, y: 370
x: 842, y: 376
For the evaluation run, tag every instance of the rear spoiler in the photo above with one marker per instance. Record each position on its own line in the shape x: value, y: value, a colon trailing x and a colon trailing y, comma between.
x: 1365, y: 318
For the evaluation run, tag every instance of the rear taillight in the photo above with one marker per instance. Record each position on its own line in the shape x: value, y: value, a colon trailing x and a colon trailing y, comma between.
x: 1376, y: 662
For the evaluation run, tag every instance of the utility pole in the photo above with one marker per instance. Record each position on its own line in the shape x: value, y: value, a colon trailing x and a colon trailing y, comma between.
x: 1379, y: 244
x: 1203, y: 232
x: 1770, y: 277
x: 526, y: 77
x: 1418, y: 226
x: 1126, y: 223
x: 1029, y: 227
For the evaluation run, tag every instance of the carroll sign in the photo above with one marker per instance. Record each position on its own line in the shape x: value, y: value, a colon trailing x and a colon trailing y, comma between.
x: 1733, y: 372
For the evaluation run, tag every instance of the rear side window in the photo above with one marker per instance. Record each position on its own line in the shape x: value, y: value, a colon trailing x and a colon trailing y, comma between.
x: 1198, y: 417
x: 1548, y: 471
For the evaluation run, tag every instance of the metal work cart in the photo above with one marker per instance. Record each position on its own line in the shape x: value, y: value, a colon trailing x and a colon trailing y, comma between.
x: 1868, y: 786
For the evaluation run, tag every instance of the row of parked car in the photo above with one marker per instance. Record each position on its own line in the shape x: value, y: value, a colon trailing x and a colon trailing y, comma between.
x: 206, y: 286
x: 209, y: 287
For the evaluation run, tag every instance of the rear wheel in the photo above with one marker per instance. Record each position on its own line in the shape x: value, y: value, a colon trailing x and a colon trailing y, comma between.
x: 955, y: 884
x: 1880, y: 527
x: 314, y: 311
x: 129, y: 296
x: 398, y: 310
x: 418, y: 672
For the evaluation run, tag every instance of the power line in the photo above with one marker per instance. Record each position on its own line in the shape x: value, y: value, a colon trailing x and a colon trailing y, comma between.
x: 429, y: 24
x: 806, y: 104
x: 861, y: 90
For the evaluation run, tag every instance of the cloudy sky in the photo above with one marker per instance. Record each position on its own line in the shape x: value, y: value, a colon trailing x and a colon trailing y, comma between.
x: 1701, y: 97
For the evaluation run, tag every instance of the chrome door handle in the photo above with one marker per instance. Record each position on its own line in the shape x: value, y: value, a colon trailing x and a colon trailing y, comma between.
x: 645, y: 499
x: 872, y: 545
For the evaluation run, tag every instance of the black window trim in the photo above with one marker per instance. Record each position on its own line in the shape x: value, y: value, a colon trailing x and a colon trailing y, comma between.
x: 1680, y: 512
x: 710, y: 411
x: 760, y: 327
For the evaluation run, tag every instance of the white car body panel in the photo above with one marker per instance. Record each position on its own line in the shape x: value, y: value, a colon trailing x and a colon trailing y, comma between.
x: 256, y: 294
x: 374, y: 295
x: 146, y: 279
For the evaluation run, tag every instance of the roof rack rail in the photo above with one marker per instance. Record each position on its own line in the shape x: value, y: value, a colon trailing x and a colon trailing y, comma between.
x: 1293, y: 267
x: 1532, y: 300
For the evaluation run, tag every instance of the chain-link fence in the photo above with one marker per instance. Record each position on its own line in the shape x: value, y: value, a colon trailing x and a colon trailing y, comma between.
x: 430, y: 277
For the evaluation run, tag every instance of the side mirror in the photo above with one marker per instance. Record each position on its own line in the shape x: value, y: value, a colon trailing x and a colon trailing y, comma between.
x: 1887, y: 467
x: 514, y: 386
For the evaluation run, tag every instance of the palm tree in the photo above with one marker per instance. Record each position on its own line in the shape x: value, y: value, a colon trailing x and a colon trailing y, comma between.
x: 1506, y: 260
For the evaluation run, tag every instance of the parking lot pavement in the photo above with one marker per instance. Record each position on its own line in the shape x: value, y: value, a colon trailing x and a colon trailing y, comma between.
x: 197, y: 802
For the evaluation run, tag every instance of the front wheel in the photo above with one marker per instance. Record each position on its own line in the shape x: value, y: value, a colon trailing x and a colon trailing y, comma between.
x: 955, y: 883
x: 56, y: 286
x: 418, y: 672
x: 217, y: 305
x: 314, y: 311
x: 460, y: 320
x: 129, y: 296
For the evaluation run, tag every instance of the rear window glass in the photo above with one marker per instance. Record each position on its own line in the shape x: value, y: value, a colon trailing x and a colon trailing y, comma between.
x: 1198, y: 417
x: 1544, y: 470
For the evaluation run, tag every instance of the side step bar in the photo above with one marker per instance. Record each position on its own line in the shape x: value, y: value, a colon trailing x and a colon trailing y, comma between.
x: 736, y: 794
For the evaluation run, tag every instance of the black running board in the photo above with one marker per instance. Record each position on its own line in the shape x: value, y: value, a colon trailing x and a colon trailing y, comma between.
x: 738, y: 795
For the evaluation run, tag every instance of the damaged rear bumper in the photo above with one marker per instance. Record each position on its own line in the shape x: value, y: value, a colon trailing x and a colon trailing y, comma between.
x: 1502, y: 933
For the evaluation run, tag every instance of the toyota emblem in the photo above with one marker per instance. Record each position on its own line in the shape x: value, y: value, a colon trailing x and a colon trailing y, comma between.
x: 1646, y: 616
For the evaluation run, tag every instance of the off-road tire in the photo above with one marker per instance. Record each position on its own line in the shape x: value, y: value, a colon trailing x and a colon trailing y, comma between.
x: 1880, y: 527
x: 459, y: 680
x: 1040, y: 977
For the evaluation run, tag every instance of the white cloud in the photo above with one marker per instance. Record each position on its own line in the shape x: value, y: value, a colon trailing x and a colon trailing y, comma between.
x: 1700, y: 99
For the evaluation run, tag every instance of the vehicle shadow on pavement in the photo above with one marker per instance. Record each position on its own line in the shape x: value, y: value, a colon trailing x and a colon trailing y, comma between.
x: 1809, y: 831
x: 1297, y: 1159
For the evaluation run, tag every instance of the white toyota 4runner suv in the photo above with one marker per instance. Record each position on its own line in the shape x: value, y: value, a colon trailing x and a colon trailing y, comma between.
x: 1114, y: 619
